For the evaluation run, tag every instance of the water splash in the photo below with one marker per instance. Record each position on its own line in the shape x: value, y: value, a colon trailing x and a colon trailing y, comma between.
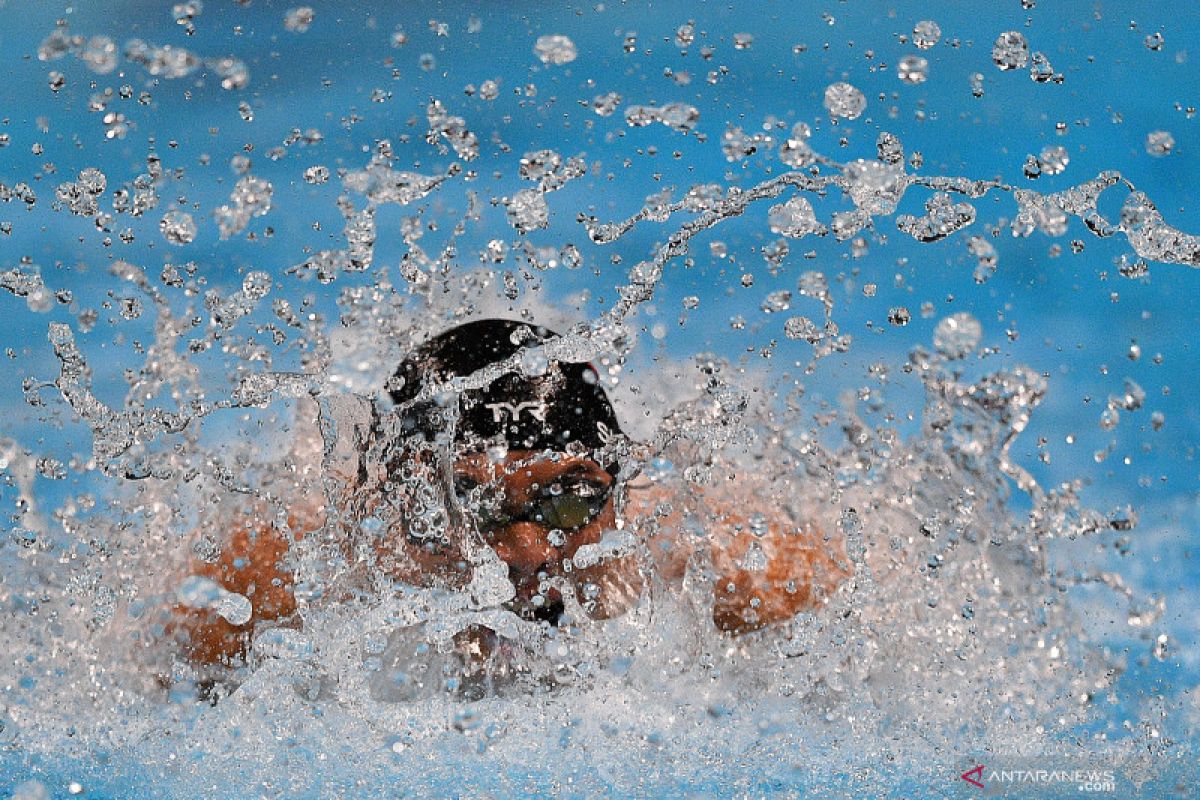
x: 951, y: 589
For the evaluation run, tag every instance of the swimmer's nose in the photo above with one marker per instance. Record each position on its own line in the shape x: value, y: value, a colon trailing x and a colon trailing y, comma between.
x: 524, y: 547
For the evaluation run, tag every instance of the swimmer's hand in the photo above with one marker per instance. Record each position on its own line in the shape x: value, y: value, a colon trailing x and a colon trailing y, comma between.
x: 764, y: 568
x: 251, y: 566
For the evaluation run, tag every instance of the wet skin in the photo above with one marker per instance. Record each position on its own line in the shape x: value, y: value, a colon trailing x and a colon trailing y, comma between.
x: 504, y: 504
x: 513, y: 492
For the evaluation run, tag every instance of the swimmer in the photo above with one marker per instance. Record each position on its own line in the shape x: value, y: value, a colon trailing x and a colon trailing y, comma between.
x: 535, y: 478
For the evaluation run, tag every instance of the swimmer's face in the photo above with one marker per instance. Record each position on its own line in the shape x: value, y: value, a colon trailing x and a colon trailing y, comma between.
x: 535, y: 511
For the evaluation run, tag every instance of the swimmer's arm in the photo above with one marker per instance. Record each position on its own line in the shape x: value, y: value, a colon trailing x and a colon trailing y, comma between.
x: 252, y: 564
x: 765, y: 569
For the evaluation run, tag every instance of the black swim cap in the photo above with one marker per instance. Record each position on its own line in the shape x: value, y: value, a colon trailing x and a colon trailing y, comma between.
x: 563, y: 405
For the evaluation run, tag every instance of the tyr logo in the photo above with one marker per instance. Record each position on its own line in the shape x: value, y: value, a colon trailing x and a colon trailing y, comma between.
x: 536, y: 409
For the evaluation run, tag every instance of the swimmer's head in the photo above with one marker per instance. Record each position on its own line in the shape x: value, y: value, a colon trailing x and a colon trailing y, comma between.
x: 557, y: 406
x: 551, y: 490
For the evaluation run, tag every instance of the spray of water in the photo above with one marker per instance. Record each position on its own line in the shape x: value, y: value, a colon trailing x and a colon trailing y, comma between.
x: 941, y: 615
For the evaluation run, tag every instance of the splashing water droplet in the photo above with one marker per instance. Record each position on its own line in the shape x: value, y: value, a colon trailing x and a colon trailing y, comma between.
x: 1160, y: 143
x: 199, y: 592
x: 844, y: 100
x: 555, y: 49
x: 256, y: 285
x: 926, y: 34
x: 803, y: 328
x: 1041, y: 70
x: 912, y: 69
x: 298, y: 20
x: 957, y: 335
x: 178, y: 227
x: 794, y: 219
x: 1010, y: 51
x: 1053, y: 159
x: 680, y: 116
x: 316, y: 175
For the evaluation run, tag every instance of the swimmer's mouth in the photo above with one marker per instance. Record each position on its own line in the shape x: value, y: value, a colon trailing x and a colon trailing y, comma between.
x: 550, y: 610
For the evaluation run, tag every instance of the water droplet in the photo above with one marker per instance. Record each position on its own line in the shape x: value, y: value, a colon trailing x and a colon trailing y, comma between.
x: 178, y: 227
x: 534, y: 363
x: 755, y: 559
x: 605, y: 104
x: 316, y: 174
x: 794, y: 219
x: 1053, y: 159
x: 844, y: 100
x: 183, y: 13
x: 1041, y: 71
x: 685, y: 34
x: 795, y: 150
x: 889, y: 148
x: 256, y: 285
x: 251, y: 197
x: 926, y: 34
x: 298, y: 20
x: 777, y: 301
x: 100, y: 55
x: 912, y: 69
x: 1010, y: 51
x: 555, y: 49
x: 680, y: 116
x: 1159, y: 143
x: 977, y: 84
x: 527, y: 210
x: 802, y: 328
x: 957, y: 335
x: 32, y: 789
x: 985, y: 254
